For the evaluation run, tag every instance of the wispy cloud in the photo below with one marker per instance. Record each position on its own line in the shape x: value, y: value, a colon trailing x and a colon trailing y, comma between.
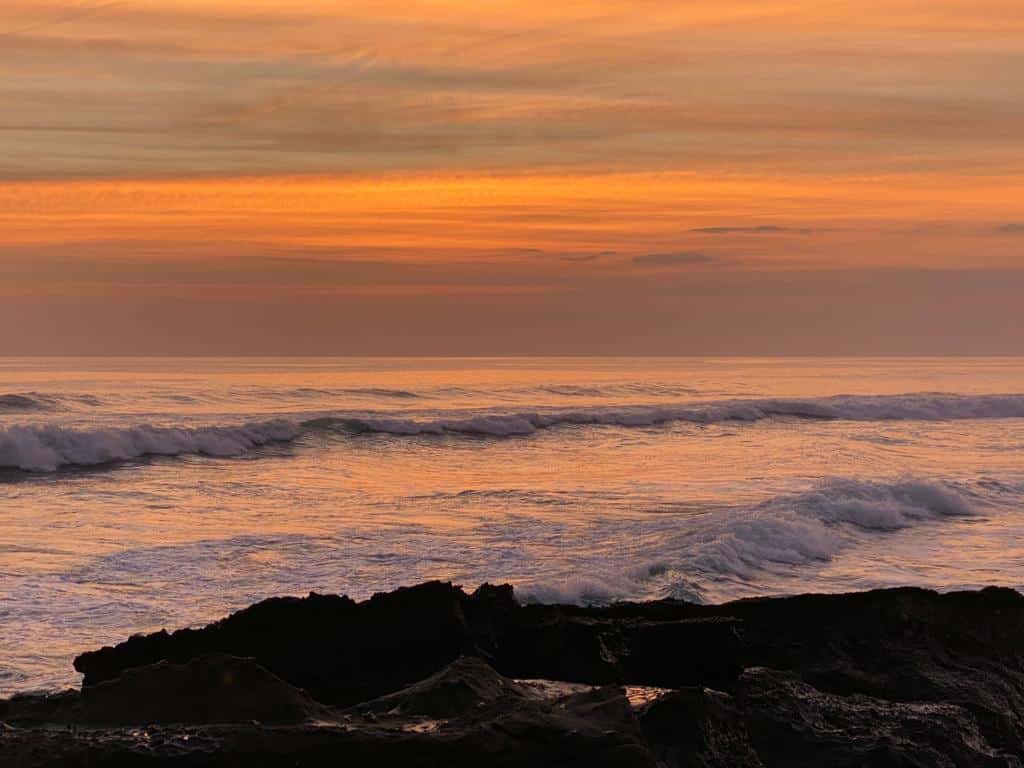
x: 672, y: 259
x: 584, y: 258
x: 762, y: 229
x: 221, y: 87
x: 1015, y: 228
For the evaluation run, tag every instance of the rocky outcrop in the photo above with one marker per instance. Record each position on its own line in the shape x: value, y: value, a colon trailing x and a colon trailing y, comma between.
x: 464, y: 715
x: 210, y: 689
x: 698, y: 728
x: 340, y: 651
x: 794, y: 724
x: 901, y: 677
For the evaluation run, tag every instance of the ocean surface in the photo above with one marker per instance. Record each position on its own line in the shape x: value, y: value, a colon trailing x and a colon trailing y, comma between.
x: 137, y: 494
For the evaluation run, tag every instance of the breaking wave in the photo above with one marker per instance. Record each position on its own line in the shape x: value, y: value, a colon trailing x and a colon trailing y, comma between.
x: 742, y: 545
x: 47, y: 448
x: 818, y: 524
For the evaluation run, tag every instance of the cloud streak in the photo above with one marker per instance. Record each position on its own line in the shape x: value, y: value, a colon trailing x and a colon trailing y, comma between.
x: 586, y: 258
x: 542, y: 161
x: 681, y: 259
x: 761, y: 229
x: 211, y: 87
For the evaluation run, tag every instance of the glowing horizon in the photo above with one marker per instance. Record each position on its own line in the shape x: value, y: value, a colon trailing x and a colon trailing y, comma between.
x: 698, y: 168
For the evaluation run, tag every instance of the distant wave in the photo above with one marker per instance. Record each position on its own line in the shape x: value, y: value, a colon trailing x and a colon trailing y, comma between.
x: 791, y: 530
x: 47, y: 448
x: 926, y: 407
x: 33, y: 401
x: 605, y: 390
x: 631, y: 389
x: 401, y: 394
x: 24, y: 402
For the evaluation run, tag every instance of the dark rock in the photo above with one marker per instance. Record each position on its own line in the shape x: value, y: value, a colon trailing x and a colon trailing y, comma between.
x: 918, y: 660
x: 545, y: 642
x: 344, y: 652
x: 489, y: 720
x: 904, y: 645
x: 467, y: 685
x: 793, y: 724
x: 698, y: 728
x: 470, y: 705
x: 210, y: 689
x: 705, y: 651
x: 33, y: 709
x: 340, y: 651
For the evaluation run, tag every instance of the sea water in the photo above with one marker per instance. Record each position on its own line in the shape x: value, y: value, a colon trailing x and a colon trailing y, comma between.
x: 137, y: 494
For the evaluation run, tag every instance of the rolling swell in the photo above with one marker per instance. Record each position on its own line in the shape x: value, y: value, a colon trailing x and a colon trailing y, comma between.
x: 24, y: 402
x: 16, y: 402
x: 48, y: 447
x: 923, y: 407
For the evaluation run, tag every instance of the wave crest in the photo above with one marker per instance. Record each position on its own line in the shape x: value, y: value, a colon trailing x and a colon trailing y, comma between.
x: 707, y: 558
x: 818, y: 524
x: 918, y: 407
x: 35, y: 401
x: 47, y: 448
x: 24, y: 402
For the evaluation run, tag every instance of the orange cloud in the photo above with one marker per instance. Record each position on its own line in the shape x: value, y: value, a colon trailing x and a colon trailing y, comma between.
x: 384, y: 152
x: 896, y: 221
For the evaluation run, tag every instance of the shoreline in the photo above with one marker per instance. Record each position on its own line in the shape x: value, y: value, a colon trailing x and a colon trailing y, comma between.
x: 437, y: 676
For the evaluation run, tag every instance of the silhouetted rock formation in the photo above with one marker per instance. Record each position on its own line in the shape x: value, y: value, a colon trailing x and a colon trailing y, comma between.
x: 426, y: 676
x: 341, y: 651
x: 210, y: 689
x: 793, y: 723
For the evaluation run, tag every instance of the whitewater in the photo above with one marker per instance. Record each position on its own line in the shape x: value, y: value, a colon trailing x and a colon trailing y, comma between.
x: 142, y: 493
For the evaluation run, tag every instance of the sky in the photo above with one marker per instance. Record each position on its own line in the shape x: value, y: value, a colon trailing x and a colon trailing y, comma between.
x: 456, y: 177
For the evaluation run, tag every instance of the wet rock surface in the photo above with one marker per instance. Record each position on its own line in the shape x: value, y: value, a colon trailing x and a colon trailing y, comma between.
x: 430, y: 675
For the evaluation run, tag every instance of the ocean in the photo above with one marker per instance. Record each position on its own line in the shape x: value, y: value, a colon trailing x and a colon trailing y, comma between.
x: 137, y: 494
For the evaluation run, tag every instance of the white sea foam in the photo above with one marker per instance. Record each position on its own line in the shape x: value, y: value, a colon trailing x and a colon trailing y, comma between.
x: 601, y: 588
x: 47, y: 447
x: 818, y: 524
x: 780, y: 534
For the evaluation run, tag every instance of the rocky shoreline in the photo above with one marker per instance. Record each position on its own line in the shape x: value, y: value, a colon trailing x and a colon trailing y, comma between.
x: 433, y: 676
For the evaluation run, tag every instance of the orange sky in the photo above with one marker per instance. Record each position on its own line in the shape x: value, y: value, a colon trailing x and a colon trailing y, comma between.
x: 445, y: 177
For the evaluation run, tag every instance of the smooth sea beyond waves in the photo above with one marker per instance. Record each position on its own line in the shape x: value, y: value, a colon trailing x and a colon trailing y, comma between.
x: 137, y: 494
